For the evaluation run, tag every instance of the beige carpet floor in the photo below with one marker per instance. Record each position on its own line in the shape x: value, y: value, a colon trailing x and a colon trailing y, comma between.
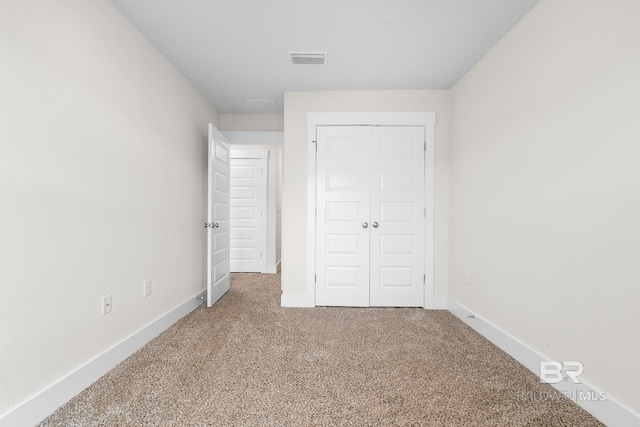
x: 248, y: 362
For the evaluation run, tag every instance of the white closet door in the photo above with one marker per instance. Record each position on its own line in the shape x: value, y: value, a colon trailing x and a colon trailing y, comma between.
x: 248, y: 208
x: 342, y: 223
x: 397, y: 216
x: 370, y: 216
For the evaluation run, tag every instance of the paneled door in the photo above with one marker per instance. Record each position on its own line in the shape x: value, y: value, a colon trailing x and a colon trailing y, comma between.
x: 217, y: 225
x: 247, y: 215
x: 397, y: 215
x: 342, y: 215
x: 370, y: 216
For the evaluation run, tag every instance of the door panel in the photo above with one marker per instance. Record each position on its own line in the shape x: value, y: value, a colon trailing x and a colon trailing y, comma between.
x: 248, y: 205
x: 342, y: 244
x: 397, y: 277
x: 397, y: 205
x: 398, y: 213
x: 342, y: 277
x: 397, y: 244
x: 218, y: 280
x: 342, y: 189
x: 396, y: 179
x: 339, y: 212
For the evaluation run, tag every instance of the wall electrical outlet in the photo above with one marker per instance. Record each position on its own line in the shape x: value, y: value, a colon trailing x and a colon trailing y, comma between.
x: 106, y: 304
x: 147, y: 288
x: 466, y: 278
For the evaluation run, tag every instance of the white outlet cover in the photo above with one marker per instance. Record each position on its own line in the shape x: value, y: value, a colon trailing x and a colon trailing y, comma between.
x: 146, y: 288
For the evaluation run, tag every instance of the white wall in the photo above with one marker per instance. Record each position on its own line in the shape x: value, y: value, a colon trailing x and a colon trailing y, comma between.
x: 102, y: 186
x: 545, y: 188
x: 294, y: 203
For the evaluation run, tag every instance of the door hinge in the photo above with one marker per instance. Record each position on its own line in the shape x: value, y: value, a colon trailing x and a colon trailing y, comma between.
x: 425, y: 146
x: 316, y: 212
x: 315, y: 143
x: 260, y: 254
x: 424, y: 279
x: 315, y: 278
x: 425, y: 212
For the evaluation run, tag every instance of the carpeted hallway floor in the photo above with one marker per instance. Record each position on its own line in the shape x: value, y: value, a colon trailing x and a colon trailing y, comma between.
x: 248, y: 362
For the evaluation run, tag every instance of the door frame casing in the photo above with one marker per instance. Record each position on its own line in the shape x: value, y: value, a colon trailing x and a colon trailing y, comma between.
x: 417, y: 119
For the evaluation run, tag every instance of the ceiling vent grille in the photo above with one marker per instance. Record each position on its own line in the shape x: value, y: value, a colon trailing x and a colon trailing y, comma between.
x: 261, y: 104
x: 307, y: 58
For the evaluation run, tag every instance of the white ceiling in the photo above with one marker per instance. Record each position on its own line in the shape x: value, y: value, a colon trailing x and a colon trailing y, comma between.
x: 234, y: 50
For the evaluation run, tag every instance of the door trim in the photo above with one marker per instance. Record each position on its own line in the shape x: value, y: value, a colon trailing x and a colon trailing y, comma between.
x: 239, y: 153
x: 422, y: 119
x: 372, y: 119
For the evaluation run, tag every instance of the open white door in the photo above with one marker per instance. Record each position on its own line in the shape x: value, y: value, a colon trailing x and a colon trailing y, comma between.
x: 218, y: 280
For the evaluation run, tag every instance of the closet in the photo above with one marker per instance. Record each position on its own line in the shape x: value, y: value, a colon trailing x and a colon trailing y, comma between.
x: 370, y: 216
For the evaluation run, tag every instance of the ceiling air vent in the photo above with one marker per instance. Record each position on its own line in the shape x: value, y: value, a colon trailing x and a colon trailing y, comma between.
x: 308, y: 58
x: 261, y: 104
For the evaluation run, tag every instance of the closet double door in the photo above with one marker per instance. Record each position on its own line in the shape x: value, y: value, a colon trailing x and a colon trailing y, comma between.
x: 370, y: 216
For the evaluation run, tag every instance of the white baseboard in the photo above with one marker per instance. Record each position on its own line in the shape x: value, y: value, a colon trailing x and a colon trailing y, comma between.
x: 608, y: 411
x: 293, y: 300
x: 47, y: 401
x: 271, y: 269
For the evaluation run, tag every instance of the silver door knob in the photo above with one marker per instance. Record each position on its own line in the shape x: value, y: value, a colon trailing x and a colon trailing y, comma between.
x: 375, y: 224
x: 215, y: 225
x: 365, y: 224
x: 206, y: 225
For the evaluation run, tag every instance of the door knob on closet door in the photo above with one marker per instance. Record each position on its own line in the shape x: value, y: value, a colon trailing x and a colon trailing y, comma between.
x: 375, y: 224
x: 365, y: 224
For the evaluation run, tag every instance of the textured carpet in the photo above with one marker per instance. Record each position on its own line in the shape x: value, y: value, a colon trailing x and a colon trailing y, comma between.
x: 248, y: 362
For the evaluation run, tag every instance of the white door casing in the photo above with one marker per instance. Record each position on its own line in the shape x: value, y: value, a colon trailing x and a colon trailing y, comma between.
x: 424, y: 120
x: 218, y: 279
x: 248, y: 210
